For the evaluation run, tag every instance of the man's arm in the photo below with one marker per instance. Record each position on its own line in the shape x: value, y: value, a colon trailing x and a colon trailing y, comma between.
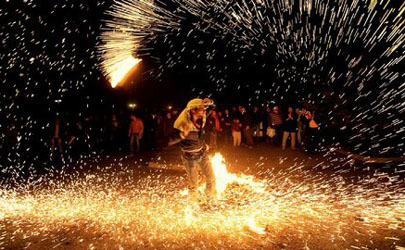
x: 178, y: 135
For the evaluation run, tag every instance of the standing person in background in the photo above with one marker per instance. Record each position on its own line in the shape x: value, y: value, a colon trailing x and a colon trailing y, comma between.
x: 153, y: 130
x: 257, y: 124
x: 266, y: 125
x: 213, y: 128
x: 236, y: 131
x: 167, y: 127
x: 290, y: 128
x: 227, y: 127
x: 247, y: 129
x: 312, y: 137
x: 175, y: 113
x: 302, y: 125
x: 113, y: 129
x: 235, y: 112
x: 276, y: 122
x: 135, y: 134
x: 56, y: 136
x: 77, y: 143
x: 220, y: 140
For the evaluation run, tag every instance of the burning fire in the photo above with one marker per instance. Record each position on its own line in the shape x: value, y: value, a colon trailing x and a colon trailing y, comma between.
x: 223, y: 178
x: 121, y: 209
x: 120, y: 70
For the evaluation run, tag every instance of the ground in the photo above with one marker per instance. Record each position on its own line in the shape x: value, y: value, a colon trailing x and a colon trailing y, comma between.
x: 274, y: 199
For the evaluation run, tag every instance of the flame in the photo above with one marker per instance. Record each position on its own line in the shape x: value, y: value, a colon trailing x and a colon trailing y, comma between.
x: 121, y: 69
x: 254, y: 227
x: 223, y: 178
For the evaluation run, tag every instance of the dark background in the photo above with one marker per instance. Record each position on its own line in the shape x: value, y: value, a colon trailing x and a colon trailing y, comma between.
x: 49, y: 66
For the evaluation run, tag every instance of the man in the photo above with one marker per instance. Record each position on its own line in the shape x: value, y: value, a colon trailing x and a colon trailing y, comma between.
x: 213, y: 129
x: 302, y: 125
x: 167, y: 127
x: 135, y: 134
x: 190, y: 134
x: 56, y: 134
x: 236, y: 133
x: 257, y: 124
x: 290, y: 128
x: 247, y: 131
x: 312, y: 130
x: 275, y: 122
x: 227, y: 121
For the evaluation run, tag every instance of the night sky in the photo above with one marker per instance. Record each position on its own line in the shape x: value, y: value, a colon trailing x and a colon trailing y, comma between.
x: 347, y: 66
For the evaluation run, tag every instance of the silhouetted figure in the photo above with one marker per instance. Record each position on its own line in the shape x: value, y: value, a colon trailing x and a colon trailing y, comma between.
x: 56, y: 138
x: 135, y: 134
x: 276, y: 123
x: 290, y: 128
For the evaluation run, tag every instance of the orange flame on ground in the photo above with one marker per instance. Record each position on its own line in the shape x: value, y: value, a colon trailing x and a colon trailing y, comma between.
x: 223, y: 178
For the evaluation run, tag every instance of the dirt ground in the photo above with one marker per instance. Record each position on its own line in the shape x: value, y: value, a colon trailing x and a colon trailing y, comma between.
x: 291, y: 201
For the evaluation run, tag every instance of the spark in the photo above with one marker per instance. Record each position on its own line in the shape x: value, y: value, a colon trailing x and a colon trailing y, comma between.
x: 127, y: 212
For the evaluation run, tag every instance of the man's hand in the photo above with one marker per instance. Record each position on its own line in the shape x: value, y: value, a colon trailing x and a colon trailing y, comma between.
x: 186, y: 131
x: 208, y: 102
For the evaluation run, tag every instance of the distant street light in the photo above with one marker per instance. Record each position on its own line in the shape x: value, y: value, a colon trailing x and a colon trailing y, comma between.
x: 131, y: 105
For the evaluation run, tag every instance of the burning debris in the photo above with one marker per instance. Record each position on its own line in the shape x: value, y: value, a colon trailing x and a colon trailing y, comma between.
x: 153, y: 213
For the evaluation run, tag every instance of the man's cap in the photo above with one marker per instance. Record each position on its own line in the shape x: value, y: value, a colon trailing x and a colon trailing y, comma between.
x: 199, y: 103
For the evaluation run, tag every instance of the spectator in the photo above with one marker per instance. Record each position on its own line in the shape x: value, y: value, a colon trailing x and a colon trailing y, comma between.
x: 168, y: 127
x: 302, y: 125
x: 153, y: 130
x: 257, y: 124
x: 227, y: 127
x: 114, y: 129
x: 266, y: 125
x: 220, y: 140
x: 235, y: 111
x: 175, y: 113
x: 236, y: 131
x: 213, y: 128
x: 247, y: 130
x: 290, y: 128
x: 313, y: 128
x: 56, y: 134
x: 135, y: 133
x: 77, y: 143
x: 275, y: 122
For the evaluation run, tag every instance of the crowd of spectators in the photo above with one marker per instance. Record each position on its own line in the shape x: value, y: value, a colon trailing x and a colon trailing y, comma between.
x: 132, y: 131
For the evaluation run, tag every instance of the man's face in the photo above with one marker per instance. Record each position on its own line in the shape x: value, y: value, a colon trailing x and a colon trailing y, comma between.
x: 275, y: 110
x: 198, y: 112
x: 290, y: 110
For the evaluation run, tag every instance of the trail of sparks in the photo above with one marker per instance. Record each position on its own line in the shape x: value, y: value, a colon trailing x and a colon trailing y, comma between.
x: 152, y: 213
x: 346, y: 45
